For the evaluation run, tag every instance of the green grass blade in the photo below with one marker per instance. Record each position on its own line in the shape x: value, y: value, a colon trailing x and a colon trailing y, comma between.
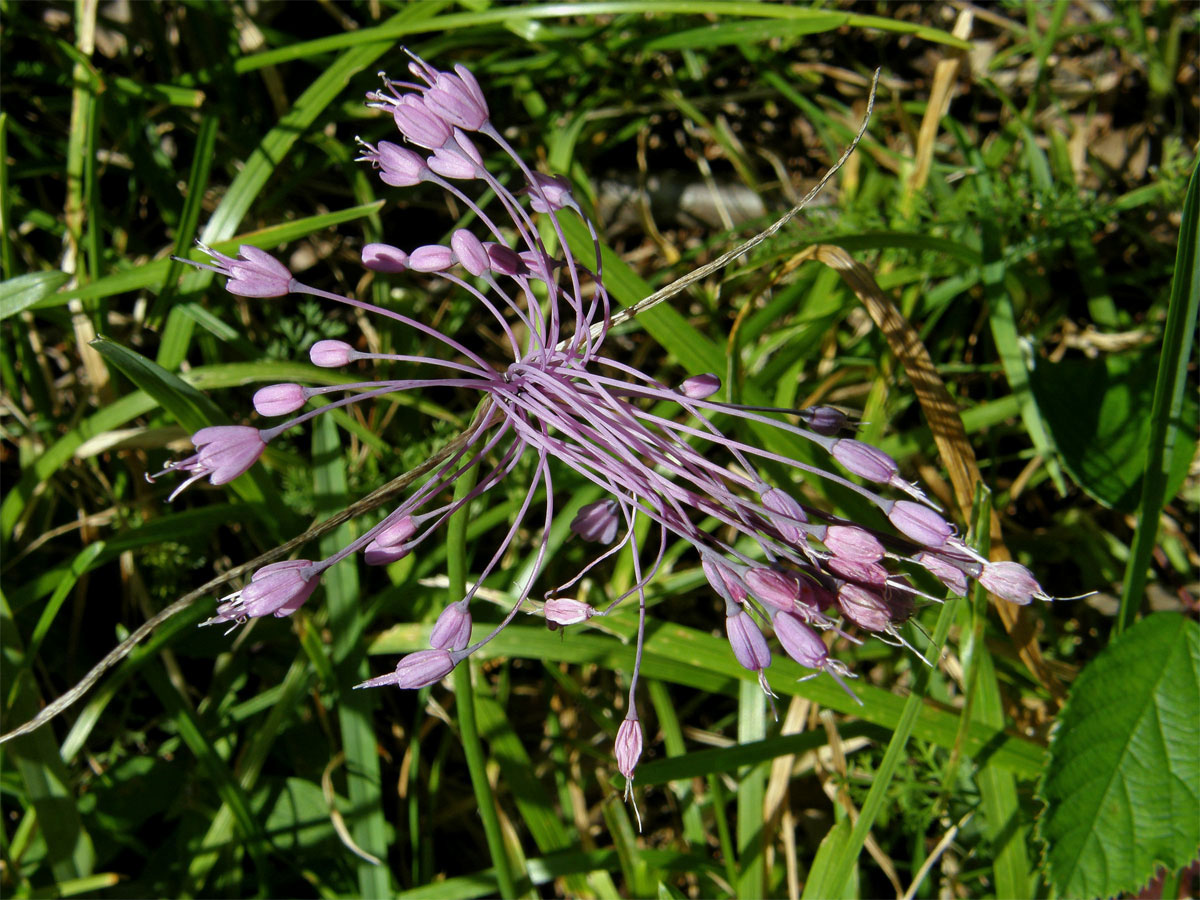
x: 1178, y: 338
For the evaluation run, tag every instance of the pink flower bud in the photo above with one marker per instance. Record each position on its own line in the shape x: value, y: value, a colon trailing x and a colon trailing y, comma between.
x: 628, y: 746
x: 853, y: 570
x: 723, y: 580
x: 398, y: 166
x: 799, y: 641
x: 431, y: 258
x: 331, y: 354
x: 748, y: 643
x: 450, y: 162
x: 864, y: 608
x: 865, y: 461
x: 384, y: 258
x: 470, y: 252
x: 779, y: 589
x: 549, y: 192
x: 853, y: 543
x: 452, y: 631
x: 279, y: 399
x: 699, y: 387
x: 396, y: 532
x: 824, y: 420
x: 919, y: 523
x: 419, y: 124
x: 417, y: 670
x: 787, y: 514
x: 375, y: 555
x: 505, y: 260
x: 954, y: 578
x: 1012, y: 582
x: 564, y: 611
x: 597, y: 522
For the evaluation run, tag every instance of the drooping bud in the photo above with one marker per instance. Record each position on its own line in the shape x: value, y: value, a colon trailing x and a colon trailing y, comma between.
x: 254, y: 274
x: 700, y: 387
x: 565, y: 611
x: 458, y: 99
x: 628, y: 746
x: 824, y: 420
x: 1012, y: 582
x: 505, y: 260
x: 396, y: 532
x: 597, y: 522
x: 470, y: 252
x: 865, y: 461
x: 853, y: 543
x: 787, y: 514
x: 853, y: 570
x: 919, y: 523
x: 549, y: 192
x: 417, y: 123
x: 279, y: 399
x: 799, y: 641
x: 954, y: 578
x: 748, y: 644
x: 398, y: 166
x: 279, y: 588
x: 779, y: 589
x: 452, y: 630
x: 723, y: 580
x: 863, y: 607
x: 417, y: 670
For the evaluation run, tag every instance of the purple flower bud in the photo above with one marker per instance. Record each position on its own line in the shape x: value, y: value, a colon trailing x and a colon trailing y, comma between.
x: 396, y: 532
x: 824, y: 420
x: 865, y: 461
x: 597, y: 522
x: 1012, y: 582
x: 539, y: 265
x: 470, y: 252
x: 331, y: 354
x: 458, y: 99
x: 452, y: 631
x: 699, y: 387
x: 853, y: 543
x: 255, y: 274
x: 505, y: 260
x: 723, y: 580
x: 628, y: 746
x: 280, y: 588
x: 564, y: 611
x: 947, y: 573
x: 919, y: 523
x: 398, y: 166
x: 384, y: 258
x: 864, y: 608
x: 279, y: 399
x: 854, y: 570
x: 431, y: 258
x: 799, y: 641
x: 419, y: 124
x: 787, y: 514
x: 450, y: 162
x: 550, y: 192
x: 779, y: 589
x: 375, y: 555
x: 748, y: 643
x: 417, y: 670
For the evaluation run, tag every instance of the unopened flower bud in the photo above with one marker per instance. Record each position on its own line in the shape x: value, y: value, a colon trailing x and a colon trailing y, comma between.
x: 431, y: 258
x: 863, y: 607
x: 549, y: 192
x: 398, y: 166
x: 789, y: 515
x: 396, y: 532
x: 417, y: 670
x: 565, y: 611
x: 699, y: 387
x: 723, y: 580
x: 853, y: 543
x: 779, y: 589
x: 597, y: 522
x: 330, y: 354
x: 919, y: 523
x: 1012, y: 582
x: 470, y: 252
x: 854, y: 570
x: 824, y: 420
x: 865, y: 461
x: 628, y: 746
x: 452, y: 631
x: 385, y: 258
x: 747, y: 642
x: 279, y: 399
x: 505, y: 260
x: 799, y: 641
x: 954, y: 578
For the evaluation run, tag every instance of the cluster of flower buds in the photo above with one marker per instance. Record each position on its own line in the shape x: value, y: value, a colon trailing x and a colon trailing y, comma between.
x: 561, y: 402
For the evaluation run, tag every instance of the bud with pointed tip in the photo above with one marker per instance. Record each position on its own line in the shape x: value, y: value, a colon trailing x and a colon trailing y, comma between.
x: 417, y: 670
x: 565, y: 611
x: 787, y: 514
x: 954, y: 578
x: 863, y: 607
x: 919, y: 523
x: 452, y: 630
x: 865, y: 461
x: 628, y: 746
x: 748, y: 643
x: 1012, y: 582
x: 779, y: 589
x: 700, y: 387
x: 853, y: 543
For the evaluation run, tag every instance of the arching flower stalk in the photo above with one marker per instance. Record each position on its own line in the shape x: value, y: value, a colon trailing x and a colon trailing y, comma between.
x: 561, y: 401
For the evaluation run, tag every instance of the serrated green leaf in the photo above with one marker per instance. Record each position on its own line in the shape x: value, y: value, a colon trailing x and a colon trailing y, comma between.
x: 1122, y: 783
x: 24, y: 291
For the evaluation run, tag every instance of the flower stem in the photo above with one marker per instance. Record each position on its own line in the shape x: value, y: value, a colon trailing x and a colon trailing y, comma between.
x: 464, y: 694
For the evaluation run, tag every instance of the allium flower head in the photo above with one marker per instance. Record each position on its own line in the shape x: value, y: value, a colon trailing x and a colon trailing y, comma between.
x: 561, y: 399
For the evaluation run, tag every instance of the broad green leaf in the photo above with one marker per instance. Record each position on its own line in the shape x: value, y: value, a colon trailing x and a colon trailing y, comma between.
x: 1122, y: 784
x: 24, y: 291
x: 1099, y: 413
